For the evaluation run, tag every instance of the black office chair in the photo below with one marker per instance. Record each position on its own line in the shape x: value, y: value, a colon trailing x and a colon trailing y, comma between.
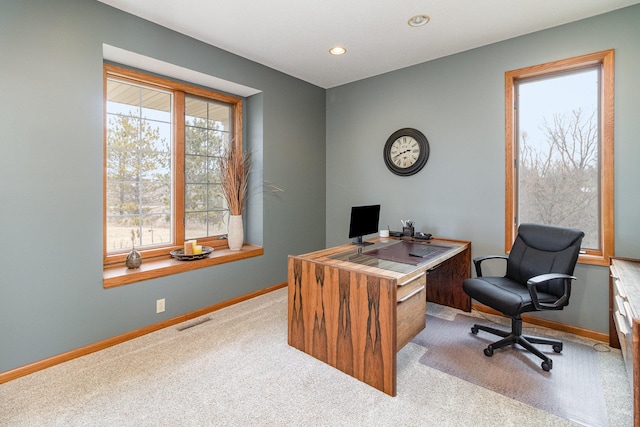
x: 538, y: 277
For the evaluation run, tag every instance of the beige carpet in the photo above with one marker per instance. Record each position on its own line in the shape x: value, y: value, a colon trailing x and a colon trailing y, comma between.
x: 572, y: 389
x: 236, y: 369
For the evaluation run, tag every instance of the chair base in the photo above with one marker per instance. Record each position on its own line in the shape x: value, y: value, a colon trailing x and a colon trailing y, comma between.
x: 515, y: 337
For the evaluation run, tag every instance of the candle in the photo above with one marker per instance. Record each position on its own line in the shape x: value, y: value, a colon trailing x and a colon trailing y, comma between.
x: 188, y: 247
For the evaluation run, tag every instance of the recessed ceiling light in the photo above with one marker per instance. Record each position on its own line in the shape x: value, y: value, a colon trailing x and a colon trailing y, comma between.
x: 419, y: 20
x: 338, y: 50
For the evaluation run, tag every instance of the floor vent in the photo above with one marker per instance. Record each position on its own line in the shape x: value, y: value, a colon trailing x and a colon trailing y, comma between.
x: 196, y: 323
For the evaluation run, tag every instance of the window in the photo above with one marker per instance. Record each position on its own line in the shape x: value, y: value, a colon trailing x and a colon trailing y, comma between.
x: 162, y: 143
x: 207, y: 136
x: 559, y: 150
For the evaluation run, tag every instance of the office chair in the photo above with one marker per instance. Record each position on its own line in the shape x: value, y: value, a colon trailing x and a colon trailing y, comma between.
x: 539, y: 272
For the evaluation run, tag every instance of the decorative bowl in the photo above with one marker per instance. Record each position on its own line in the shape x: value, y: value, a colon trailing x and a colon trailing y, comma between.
x: 180, y: 255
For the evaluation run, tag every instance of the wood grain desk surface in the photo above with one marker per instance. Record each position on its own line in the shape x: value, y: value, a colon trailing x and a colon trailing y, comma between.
x: 354, y: 258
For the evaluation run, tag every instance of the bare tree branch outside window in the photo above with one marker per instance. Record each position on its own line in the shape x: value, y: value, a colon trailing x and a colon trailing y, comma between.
x: 559, y: 137
x: 559, y: 175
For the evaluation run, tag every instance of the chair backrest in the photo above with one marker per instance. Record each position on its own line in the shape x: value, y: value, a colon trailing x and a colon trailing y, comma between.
x: 541, y: 249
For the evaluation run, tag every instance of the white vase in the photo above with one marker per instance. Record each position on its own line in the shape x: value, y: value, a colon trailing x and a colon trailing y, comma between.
x: 235, y: 235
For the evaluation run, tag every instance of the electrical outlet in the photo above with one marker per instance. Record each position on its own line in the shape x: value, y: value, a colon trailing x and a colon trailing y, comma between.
x: 160, y: 305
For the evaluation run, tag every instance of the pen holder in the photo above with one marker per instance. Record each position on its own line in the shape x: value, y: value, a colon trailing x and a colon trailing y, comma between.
x: 407, y: 231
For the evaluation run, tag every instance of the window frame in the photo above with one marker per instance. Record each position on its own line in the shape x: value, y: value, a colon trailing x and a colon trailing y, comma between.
x: 179, y: 91
x: 605, y: 59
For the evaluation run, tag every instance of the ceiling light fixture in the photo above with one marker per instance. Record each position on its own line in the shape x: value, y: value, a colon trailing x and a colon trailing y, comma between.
x: 338, y: 50
x: 418, y: 20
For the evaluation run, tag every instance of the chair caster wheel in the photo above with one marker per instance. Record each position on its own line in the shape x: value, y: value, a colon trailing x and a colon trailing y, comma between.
x: 546, y: 366
x: 488, y: 351
x: 557, y: 348
x: 474, y: 330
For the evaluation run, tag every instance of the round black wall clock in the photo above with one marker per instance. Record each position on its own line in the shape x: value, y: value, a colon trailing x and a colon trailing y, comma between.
x: 406, y: 152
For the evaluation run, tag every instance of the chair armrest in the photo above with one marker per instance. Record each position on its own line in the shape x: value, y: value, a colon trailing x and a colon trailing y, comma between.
x: 477, y: 261
x: 558, y: 304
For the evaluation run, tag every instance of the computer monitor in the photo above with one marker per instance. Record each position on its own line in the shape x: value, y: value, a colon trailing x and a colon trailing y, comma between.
x: 364, y: 220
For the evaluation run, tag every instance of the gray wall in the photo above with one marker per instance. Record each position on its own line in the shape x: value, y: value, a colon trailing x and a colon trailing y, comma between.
x: 51, y: 294
x: 458, y: 102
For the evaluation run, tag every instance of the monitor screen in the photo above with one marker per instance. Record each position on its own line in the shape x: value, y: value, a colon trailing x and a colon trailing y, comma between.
x: 364, y: 220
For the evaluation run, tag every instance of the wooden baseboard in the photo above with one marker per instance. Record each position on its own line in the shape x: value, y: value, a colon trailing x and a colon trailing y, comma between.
x: 598, y: 336
x: 101, y: 345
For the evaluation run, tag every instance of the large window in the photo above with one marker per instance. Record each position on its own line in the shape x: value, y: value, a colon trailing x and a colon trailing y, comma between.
x: 162, y: 144
x: 559, y: 145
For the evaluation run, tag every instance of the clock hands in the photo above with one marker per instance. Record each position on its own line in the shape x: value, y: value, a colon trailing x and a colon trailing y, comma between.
x: 401, y: 153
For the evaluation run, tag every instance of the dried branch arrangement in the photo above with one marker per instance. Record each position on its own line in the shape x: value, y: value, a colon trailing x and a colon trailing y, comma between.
x: 235, y: 167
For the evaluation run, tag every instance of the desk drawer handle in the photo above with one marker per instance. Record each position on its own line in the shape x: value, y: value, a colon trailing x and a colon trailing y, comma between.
x: 620, y: 290
x: 406, y: 282
x: 434, y: 267
x: 414, y: 293
x: 621, y: 323
x: 628, y: 313
x: 618, y: 303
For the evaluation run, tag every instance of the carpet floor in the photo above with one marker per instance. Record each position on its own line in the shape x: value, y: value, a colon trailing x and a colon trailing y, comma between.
x: 572, y: 389
x: 233, y: 367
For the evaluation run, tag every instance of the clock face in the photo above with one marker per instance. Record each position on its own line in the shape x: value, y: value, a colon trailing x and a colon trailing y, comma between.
x: 406, y: 152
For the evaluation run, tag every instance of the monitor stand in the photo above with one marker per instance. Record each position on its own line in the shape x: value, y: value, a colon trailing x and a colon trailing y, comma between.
x: 358, y: 241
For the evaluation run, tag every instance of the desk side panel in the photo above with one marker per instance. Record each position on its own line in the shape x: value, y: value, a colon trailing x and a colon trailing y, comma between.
x: 295, y: 333
x: 444, y: 282
x: 345, y: 319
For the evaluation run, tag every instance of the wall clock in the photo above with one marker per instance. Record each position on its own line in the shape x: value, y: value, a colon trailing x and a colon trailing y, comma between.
x: 406, y: 152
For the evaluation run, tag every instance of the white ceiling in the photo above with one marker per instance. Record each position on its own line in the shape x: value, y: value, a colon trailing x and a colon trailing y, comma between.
x: 294, y: 36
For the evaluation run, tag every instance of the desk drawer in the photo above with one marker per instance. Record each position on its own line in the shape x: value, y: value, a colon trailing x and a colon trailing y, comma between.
x: 411, y: 310
x: 618, y: 288
x: 622, y: 318
x: 625, y: 337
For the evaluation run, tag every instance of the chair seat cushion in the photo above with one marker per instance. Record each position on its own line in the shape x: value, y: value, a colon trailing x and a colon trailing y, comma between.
x: 503, y: 294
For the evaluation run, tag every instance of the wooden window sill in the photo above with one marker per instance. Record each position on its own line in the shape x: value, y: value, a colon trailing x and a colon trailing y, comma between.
x: 165, y: 266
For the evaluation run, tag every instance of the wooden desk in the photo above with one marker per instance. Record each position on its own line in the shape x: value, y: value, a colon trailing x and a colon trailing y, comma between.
x: 355, y: 312
x: 624, y: 321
